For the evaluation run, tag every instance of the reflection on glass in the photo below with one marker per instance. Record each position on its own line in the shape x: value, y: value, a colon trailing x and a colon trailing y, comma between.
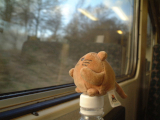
x: 119, y: 31
x: 87, y: 14
x: 120, y: 13
x: 40, y: 40
x: 149, y: 45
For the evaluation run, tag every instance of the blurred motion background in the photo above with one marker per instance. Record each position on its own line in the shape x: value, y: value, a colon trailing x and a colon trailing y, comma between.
x: 41, y: 40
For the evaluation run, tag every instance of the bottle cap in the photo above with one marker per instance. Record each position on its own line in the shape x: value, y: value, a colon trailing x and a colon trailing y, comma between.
x: 91, y: 105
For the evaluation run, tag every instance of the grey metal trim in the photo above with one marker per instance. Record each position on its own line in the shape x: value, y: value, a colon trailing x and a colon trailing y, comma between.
x: 33, y: 97
x: 134, y: 55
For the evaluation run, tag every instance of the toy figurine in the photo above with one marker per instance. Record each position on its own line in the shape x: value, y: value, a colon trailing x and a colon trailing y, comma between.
x: 94, y: 76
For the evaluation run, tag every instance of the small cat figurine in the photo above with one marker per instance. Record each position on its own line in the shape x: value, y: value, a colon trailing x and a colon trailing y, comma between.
x: 94, y: 76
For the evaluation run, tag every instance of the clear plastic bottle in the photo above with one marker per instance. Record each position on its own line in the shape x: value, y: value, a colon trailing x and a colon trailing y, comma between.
x: 84, y: 117
x: 91, y: 108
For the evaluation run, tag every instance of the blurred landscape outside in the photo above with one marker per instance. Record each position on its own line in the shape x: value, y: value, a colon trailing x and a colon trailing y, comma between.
x: 41, y: 40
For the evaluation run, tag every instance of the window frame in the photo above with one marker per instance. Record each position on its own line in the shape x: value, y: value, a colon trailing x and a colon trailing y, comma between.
x: 132, y: 64
x: 21, y: 100
x: 13, y: 100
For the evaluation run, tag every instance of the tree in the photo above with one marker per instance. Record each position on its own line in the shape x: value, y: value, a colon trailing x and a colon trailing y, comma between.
x: 22, y: 13
x: 83, y: 29
x: 7, y: 10
x: 54, y: 23
x: 42, y: 14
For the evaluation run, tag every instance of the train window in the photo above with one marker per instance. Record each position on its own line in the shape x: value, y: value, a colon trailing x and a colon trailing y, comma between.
x: 40, y: 40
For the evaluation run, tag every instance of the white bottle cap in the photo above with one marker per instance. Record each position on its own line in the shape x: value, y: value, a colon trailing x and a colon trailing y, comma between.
x: 91, y: 105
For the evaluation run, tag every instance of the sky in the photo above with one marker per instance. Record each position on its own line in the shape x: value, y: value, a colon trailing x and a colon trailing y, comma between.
x: 68, y: 7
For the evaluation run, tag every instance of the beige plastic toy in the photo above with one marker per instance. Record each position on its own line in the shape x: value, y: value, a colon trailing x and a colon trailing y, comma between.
x: 94, y: 76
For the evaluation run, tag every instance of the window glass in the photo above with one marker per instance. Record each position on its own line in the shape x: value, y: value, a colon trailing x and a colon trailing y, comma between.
x: 40, y: 40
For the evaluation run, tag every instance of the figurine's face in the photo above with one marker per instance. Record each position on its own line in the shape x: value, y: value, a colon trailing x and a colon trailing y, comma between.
x: 92, y: 61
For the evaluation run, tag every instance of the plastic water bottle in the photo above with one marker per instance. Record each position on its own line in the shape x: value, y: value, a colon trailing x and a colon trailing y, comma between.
x: 91, y: 108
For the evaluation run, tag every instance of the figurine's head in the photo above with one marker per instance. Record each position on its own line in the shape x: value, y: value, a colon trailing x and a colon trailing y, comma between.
x: 92, y: 61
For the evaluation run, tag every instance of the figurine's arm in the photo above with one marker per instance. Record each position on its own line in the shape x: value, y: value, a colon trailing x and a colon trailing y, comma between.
x: 71, y: 72
x: 91, y: 76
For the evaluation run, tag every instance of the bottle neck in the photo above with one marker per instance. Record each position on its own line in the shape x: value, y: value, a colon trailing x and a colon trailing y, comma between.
x: 91, y: 111
x: 91, y: 106
x: 86, y: 117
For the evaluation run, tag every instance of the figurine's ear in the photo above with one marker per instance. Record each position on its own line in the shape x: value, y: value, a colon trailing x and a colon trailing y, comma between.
x: 102, y: 55
x: 71, y: 72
